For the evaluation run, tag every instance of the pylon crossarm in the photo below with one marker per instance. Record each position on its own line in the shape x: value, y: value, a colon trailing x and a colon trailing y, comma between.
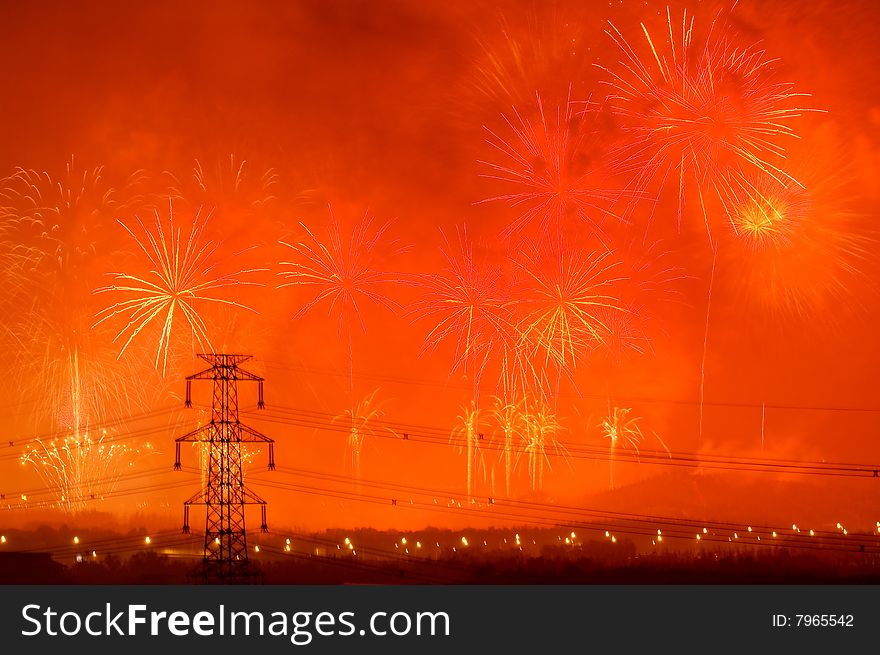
x: 253, y: 435
x: 242, y: 375
x: 248, y: 497
x: 213, y: 358
x: 197, y: 498
x: 192, y: 436
x: 207, y: 374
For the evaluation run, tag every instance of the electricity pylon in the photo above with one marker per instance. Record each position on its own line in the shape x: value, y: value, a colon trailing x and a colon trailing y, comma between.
x: 225, y: 495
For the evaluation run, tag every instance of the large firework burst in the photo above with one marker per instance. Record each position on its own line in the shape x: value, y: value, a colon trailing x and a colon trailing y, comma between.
x: 550, y: 161
x: 181, y: 279
x: 699, y: 112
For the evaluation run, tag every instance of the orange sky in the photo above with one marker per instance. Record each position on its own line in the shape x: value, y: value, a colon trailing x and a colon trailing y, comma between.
x: 384, y: 107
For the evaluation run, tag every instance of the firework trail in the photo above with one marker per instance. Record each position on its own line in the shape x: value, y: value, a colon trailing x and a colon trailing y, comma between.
x: 539, y: 436
x: 509, y: 418
x: 550, y: 158
x: 520, y: 377
x: 182, y: 277
x: 466, y: 436
x: 74, y: 378
x: 623, y: 431
x: 361, y: 418
x: 706, y: 342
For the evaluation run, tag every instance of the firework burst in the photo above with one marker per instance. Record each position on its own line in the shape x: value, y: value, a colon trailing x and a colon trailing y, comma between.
x: 649, y: 282
x: 703, y: 112
x: 76, y: 378
x: 795, y: 250
x: 551, y: 159
x: 623, y: 431
x: 59, y: 223
x: 344, y: 270
x: 56, y: 228
x: 545, y: 51
x: 79, y: 467
x: 231, y: 186
x: 566, y: 294
x: 467, y: 305
x: 182, y: 278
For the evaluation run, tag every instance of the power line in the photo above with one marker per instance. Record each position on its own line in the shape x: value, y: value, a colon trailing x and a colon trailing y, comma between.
x: 625, y: 398
x: 570, y: 450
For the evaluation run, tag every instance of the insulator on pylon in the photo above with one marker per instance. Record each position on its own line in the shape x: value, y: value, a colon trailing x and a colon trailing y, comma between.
x: 260, y: 403
x: 264, y: 527
x: 271, y: 457
x: 186, y: 519
x: 188, y: 401
x: 177, y: 456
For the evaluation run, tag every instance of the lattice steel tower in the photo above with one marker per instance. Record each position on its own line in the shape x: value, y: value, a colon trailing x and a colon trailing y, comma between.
x: 225, y: 495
